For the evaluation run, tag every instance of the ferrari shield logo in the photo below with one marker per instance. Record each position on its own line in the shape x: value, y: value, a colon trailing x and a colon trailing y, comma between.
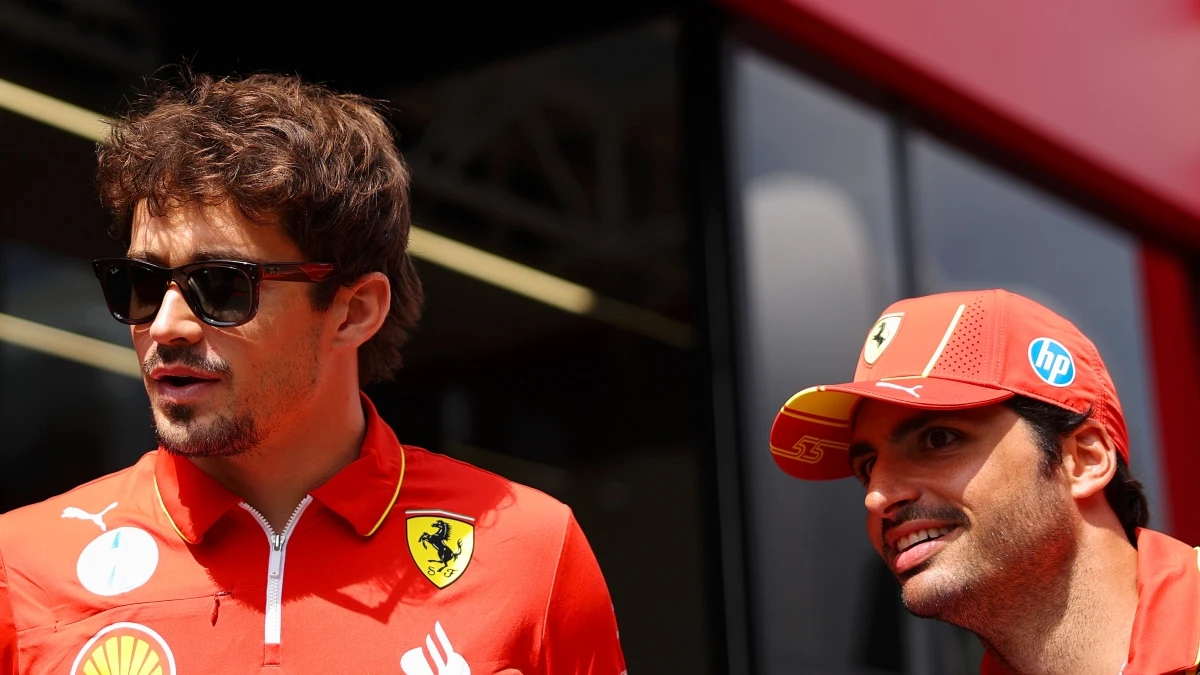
x: 881, y: 336
x: 441, y: 544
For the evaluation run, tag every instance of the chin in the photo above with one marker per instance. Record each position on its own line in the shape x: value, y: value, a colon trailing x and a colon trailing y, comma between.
x: 932, y: 594
x: 210, y: 434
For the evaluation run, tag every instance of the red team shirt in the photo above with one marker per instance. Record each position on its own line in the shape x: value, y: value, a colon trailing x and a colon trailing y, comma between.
x: 405, y: 562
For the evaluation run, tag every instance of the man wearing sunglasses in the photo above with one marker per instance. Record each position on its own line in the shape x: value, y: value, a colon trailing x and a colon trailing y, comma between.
x: 281, y: 523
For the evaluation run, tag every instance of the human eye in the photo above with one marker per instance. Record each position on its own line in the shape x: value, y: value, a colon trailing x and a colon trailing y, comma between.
x: 938, y: 438
x: 861, y: 466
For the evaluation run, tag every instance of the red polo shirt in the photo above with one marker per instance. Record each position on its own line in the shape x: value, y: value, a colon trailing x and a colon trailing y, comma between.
x: 405, y: 562
x: 1166, y: 627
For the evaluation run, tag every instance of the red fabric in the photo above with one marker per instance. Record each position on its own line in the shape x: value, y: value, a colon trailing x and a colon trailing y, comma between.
x: 950, y: 351
x: 8, y: 630
x: 1170, y: 311
x: 530, y: 598
x: 1166, y: 628
x: 194, y: 501
x: 362, y: 492
x: 580, y: 620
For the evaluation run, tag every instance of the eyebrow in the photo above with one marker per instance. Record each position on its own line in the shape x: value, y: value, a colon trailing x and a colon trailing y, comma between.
x: 198, y: 256
x: 910, y: 425
x: 901, y: 431
x: 859, y: 449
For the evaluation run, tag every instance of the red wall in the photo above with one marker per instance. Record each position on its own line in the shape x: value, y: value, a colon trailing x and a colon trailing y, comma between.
x: 1103, y: 93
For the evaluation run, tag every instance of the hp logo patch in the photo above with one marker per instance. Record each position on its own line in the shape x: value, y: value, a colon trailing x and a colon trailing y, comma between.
x: 1052, y: 362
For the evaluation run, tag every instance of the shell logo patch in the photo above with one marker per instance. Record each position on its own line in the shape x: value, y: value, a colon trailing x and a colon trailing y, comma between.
x: 881, y: 336
x: 441, y: 544
x: 125, y: 649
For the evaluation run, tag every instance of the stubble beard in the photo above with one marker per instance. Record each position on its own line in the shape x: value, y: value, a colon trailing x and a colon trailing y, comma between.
x: 1014, y: 571
x: 176, y: 426
x: 223, y: 436
x: 243, y: 428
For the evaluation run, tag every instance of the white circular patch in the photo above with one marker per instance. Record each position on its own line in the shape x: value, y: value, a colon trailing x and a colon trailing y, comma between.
x: 117, y: 561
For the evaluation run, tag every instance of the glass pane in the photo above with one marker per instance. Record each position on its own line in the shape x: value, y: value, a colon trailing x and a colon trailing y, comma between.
x: 63, y: 423
x: 816, y: 246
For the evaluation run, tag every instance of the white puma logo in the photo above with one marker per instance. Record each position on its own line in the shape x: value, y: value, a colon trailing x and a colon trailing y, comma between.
x: 911, y: 390
x: 98, y: 519
x: 414, y: 662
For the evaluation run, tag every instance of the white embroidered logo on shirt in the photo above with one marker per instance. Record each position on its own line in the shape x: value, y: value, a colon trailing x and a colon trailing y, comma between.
x: 414, y: 661
x: 98, y: 519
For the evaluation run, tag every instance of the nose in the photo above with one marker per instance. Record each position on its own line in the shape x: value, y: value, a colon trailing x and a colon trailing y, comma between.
x: 889, y: 489
x: 175, y: 324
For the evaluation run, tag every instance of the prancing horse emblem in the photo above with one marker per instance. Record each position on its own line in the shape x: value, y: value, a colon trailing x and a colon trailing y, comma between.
x: 441, y: 544
x: 880, y: 337
x: 445, y: 554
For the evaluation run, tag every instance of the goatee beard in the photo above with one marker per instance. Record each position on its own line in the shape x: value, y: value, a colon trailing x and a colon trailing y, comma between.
x: 179, y: 434
x: 222, y: 437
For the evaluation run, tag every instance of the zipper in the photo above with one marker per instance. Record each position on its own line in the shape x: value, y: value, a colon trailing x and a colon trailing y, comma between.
x: 274, y: 611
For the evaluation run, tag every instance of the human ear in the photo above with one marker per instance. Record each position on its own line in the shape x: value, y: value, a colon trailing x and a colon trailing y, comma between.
x: 1089, y: 459
x: 364, y: 307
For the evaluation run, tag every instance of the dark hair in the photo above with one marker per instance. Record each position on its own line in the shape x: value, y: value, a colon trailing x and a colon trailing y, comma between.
x: 322, y: 165
x: 1051, y: 424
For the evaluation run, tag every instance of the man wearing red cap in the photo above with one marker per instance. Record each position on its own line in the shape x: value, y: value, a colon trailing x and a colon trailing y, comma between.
x: 992, y: 446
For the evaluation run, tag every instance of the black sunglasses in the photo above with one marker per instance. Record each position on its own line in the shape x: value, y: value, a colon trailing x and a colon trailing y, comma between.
x: 221, y: 293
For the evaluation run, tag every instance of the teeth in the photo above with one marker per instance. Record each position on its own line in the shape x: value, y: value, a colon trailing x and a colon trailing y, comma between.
x: 919, y: 536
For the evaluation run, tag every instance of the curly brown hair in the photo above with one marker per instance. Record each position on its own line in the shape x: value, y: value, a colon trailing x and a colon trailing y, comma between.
x: 322, y: 165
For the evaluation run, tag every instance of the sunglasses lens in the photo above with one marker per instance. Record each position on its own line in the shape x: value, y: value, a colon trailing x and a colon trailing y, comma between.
x: 133, y: 292
x: 224, y: 294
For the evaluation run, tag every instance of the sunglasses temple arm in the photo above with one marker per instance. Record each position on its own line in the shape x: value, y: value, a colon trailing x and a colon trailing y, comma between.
x: 304, y: 272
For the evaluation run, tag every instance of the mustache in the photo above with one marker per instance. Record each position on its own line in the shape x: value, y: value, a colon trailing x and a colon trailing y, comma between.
x: 911, y: 512
x: 187, y: 356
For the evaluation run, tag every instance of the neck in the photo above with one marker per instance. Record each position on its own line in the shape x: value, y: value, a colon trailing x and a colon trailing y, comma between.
x: 311, y: 447
x: 1097, y: 599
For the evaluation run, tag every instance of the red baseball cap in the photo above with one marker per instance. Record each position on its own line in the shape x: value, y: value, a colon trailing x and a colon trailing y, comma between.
x: 950, y: 351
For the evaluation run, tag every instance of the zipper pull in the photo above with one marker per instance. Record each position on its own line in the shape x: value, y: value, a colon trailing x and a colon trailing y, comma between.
x: 275, y: 565
x: 217, y: 604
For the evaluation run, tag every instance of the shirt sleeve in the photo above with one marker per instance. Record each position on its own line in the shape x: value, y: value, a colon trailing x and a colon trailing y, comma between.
x: 581, y: 624
x: 8, y: 628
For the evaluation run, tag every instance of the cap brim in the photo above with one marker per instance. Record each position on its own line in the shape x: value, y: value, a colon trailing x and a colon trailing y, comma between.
x: 810, y: 438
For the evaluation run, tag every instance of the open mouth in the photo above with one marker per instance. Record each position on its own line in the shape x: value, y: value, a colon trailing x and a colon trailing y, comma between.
x: 920, y: 536
x: 181, y: 380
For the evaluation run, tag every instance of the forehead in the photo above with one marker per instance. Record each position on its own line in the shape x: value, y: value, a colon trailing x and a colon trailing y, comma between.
x: 195, y: 231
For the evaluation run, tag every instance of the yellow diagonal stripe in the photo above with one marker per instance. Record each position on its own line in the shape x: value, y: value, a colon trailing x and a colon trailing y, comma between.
x: 71, y: 346
x: 49, y: 110
x: 489, y: 267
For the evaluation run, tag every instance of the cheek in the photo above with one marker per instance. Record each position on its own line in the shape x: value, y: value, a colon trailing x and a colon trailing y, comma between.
x: 959, y: 477
x: 285, y: 313
x: 140, y: 336
x: 276, y: 337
